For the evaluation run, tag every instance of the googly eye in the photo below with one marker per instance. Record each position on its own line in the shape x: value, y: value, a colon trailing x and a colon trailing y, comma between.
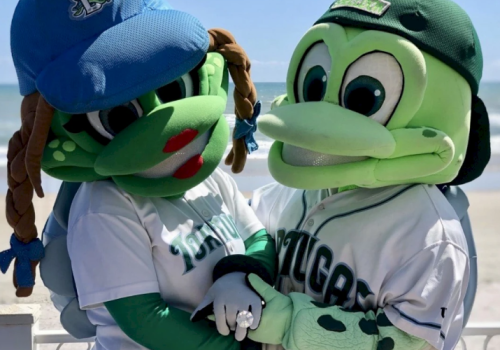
x: 108, y: 123
x: 373, y: 86
x: 183, y: 87
x: 313, y: 74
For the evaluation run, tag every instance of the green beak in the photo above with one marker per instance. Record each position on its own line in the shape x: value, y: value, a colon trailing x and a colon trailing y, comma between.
x: 327, y: 128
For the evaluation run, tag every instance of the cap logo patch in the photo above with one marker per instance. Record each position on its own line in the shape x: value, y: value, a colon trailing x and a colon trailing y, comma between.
x: 375, y: 7
x: 82, y: 9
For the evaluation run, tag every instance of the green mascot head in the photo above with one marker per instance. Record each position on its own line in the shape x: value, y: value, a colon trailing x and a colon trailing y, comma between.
x: 162, y: 143
x: 382, y: 93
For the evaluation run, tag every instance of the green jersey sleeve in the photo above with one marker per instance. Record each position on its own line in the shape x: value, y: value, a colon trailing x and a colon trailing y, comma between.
x: 148, y: 321
x: 260, y: 258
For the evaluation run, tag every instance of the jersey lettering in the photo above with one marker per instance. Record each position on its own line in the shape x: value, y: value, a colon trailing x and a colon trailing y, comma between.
x: 197, y: 248
x: 321, y: 269
x: 197, y: 245
x: 226, y: 224
x: 280, y: 236
x: 334, y: 282
x: 362, y: 291
x: 307, y: 242
x: 339, y: 286
x: 290, y: 244
x: 178, y: 246
x: 210, y: 241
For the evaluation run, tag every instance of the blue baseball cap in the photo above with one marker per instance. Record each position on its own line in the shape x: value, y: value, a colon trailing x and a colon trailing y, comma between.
x: 88, y: 55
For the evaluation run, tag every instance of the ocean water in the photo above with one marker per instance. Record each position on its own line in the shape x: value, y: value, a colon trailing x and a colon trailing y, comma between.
x: 10, y: 102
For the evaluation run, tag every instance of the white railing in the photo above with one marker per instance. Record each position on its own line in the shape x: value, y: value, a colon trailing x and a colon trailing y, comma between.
x: 484, y: 330
x: 19, y: 331
x: 60, y: 338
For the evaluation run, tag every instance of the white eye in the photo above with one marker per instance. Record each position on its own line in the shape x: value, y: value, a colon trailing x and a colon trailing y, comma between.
x: 110, y: 122
x: 313, y: 74
x: 373, y: 86
x: 183, y: 87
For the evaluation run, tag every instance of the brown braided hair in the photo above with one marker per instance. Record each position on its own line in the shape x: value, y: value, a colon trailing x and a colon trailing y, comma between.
x: 245, y: 94
x: 23, y: 172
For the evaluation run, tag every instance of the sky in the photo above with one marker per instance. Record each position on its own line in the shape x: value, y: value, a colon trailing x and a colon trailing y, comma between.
x: 269, y: 30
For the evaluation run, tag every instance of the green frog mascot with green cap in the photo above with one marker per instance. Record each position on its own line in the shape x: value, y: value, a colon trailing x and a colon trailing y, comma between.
x: 381, y: 112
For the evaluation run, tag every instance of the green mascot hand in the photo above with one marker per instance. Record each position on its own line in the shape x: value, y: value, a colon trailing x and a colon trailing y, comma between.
x: 276, y: 316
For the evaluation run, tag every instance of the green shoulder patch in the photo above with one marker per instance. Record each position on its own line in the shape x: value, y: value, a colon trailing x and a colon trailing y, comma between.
x: 376, y: 7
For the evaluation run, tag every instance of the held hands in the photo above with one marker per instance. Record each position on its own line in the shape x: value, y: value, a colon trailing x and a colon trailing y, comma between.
x: 236, y: 292
x: 277, y: 315
x: 227, y: 297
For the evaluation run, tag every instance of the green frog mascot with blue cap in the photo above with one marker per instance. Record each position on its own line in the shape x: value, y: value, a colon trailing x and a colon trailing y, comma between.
x: 381, y: 115
x: 124, y: 101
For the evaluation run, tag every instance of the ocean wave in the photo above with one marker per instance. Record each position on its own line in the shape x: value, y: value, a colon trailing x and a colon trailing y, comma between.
x: 495, y: 144
x: 3, y: 156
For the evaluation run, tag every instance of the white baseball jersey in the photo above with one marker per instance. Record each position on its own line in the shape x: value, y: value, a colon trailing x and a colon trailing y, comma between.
x: 400, y: 248
x: 123, y: 245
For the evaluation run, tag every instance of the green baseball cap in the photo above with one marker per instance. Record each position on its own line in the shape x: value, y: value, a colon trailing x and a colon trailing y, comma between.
x: 438, y: 27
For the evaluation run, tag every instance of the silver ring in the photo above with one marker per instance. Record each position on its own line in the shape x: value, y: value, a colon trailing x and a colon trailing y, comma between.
x: 244, y: 319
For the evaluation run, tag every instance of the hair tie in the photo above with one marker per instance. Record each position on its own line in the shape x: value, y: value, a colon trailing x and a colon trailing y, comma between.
x: 245, y: 128
x: 24, y: 253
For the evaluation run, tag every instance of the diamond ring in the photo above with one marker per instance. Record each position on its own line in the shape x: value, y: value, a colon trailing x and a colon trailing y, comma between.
x: 244, y: 319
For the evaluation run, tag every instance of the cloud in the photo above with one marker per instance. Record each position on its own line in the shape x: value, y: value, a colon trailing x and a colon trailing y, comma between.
x: 269, y: 63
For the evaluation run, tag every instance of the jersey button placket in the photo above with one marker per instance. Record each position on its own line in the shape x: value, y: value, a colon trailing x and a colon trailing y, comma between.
x: 310, y: 222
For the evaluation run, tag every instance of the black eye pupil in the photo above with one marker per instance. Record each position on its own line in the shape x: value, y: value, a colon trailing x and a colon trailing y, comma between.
x: 315, y: 84
x: 119, y: 118
x: 364, y: 95
x: 361, y: 101
x: 172, y: 92
x: 315, y: 91
x: 116, y: 119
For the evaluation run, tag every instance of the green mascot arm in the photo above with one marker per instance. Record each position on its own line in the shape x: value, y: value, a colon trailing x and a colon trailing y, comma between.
x: 297, y: 322
x: 147, y: 320
x: 260, y: 258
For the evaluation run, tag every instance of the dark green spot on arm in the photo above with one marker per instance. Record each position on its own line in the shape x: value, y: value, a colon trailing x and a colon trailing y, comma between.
x: 386, y: 344
x: 383, y: 321
x: 330, y: 324
x: 429, y: 133
x: 368, y: 327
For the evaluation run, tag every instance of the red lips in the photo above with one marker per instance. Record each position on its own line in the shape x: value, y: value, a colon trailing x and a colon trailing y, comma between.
x: 190, y: 168
x: 176, y: 143
x: 180, y: 140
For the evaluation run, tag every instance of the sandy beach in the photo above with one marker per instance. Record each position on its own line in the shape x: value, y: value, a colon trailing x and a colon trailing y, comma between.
x: 484, y: 212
